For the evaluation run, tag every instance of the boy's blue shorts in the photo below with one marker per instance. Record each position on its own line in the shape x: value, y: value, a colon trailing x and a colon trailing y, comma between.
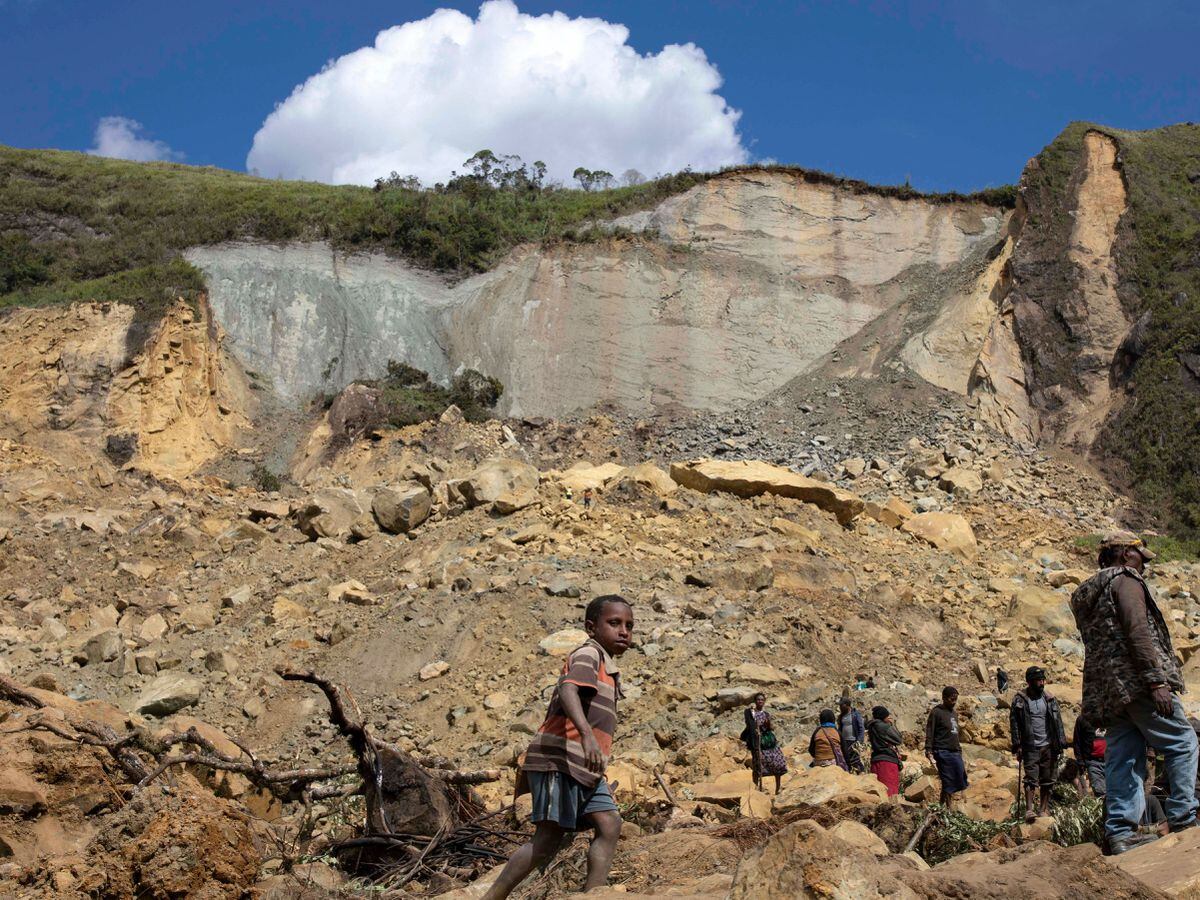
x: 560, y: 799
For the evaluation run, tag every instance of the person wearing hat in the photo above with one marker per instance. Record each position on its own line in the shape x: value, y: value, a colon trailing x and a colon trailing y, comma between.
x: 1038, y: 739
x: 885, y: 749
x: 1131, y: 680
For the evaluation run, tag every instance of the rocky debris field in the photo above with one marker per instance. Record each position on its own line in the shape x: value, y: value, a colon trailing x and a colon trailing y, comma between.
x: 438, y: 572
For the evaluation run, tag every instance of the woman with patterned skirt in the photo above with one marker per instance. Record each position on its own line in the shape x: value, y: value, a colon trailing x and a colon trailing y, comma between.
x: 766, y: 756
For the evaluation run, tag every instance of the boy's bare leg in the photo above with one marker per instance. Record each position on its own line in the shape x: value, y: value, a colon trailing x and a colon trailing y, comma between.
x: 546, y: 841
x: 602, y: 848
x: 778, y: 781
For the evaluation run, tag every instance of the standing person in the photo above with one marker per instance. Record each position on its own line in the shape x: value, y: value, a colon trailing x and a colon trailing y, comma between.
x: 1001, y: 681
x: 1038, y: 739
x: 852, y: 732
x: 1089, y: 745
x: 766, y: 756
x: 825, y: 745
x: 942, y: 746
x: 885, y: 749
x: 1130, y: 682
x: 566, y: 760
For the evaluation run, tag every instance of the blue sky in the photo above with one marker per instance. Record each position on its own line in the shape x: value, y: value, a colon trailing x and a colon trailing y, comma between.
x: 949, y: 95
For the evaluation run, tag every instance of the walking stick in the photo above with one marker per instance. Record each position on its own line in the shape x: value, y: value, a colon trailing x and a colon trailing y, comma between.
x: 1020, y: 788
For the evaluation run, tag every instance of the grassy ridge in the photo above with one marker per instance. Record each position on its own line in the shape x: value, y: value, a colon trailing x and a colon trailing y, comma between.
x: 75, y: 226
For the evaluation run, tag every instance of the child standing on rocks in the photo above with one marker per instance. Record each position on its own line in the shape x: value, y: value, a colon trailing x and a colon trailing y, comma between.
x: 566, y: 760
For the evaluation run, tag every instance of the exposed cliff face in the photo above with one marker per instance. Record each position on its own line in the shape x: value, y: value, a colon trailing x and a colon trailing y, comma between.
x: 758, y: 276
x: 68, y: 391
x: 1067, y: 316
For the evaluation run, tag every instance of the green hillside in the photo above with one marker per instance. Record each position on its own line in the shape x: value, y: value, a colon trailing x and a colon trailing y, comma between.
x: 1153, y: 443
x: 1157, y: 434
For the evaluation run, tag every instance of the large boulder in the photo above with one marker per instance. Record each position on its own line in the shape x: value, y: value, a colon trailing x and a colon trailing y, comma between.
x: 330, y: 513
x: 583, y: 475
x: 727, y: 789
x: 650, y: 476
x: 1042, y: 610
x: 948, y: 532
x: 495, y: 477
x: 814, y: 786
x: 750, y: 478
x: 401, y: 508
x: 961, y: 481
x: 168, y: 693
x: 805, y: 860
x: 1171, y: 864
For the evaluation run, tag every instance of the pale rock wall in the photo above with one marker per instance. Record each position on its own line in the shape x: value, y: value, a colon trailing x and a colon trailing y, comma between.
x: 998, y: 382
x: 312, y: 321
x: 757, y: 277
x: 945, y: 354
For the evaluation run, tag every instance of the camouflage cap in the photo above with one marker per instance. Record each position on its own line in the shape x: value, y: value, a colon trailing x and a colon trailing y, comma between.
x: 1127, y: 539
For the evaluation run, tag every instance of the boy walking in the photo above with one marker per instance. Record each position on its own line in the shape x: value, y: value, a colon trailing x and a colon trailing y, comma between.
x: 566, y: 760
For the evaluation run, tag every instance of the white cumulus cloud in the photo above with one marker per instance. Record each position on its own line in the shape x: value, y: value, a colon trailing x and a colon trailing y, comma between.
x: 570, y: 92
x: 122, y: 138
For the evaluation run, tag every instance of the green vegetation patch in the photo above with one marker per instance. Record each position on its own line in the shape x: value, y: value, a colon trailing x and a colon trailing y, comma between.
x: 409, y: 396
x: 1166, y: 547
x: 1157, y: 433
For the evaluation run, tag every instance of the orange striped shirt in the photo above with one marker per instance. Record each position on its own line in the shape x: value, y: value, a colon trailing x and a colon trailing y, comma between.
x: 558, y: 746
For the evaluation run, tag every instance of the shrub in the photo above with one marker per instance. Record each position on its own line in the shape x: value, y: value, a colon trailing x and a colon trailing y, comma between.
x: 408, y: 395
x: 265, y: 480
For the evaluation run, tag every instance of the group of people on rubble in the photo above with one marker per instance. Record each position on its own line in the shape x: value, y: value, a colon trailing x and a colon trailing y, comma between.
x: 838, y: 740
x: 1131, y: 683
x: 1131, y: 716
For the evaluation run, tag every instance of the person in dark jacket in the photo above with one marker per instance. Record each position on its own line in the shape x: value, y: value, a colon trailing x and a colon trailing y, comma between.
x: 1089, y: 745
x: 852, y: 732
x: 885, y: 749
x: 943, y: 748
x: 1130, y: 681
x: 1038, y: 739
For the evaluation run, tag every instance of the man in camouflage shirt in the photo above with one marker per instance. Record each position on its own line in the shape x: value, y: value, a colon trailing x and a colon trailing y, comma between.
x: 1130, y: 682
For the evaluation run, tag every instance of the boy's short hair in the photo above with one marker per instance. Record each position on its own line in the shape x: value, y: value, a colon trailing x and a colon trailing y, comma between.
x: 827, y: 717
x: 596, y: 606
x: 949, y: 691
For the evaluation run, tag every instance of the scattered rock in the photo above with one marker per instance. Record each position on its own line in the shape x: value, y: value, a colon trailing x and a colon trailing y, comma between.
x: 514, y: 501
x: 559, y: 586
x: 400, y: 509
x: 946, y: 531
x: 104, y: 647
x: 433, y: 670
x: 167, y: 694
x: 329, y: 513
x: 563, y: 642
x: 494, y: 478
x: 351, y: 592
x: 960, y: 482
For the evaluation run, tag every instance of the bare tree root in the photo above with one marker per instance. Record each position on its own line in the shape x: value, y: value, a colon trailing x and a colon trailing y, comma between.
x: 423, y: 820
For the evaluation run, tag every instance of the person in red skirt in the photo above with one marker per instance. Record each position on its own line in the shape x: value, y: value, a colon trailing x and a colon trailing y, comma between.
x: 885, y: 749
